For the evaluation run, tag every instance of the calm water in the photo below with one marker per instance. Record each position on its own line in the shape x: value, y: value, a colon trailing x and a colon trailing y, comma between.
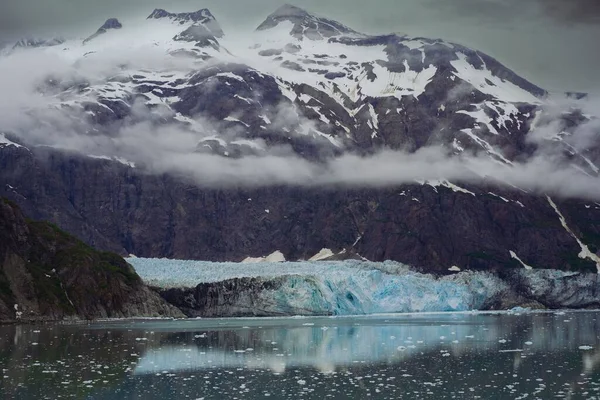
x: 460, y: 356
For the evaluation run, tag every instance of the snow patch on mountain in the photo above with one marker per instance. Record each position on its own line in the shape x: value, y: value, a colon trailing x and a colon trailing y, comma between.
x: 5, y: 142
x: 120, y: 160
x: 486, y: 82
x: 321, y: 255
x: 516, y: 257
x: 446, y: 184
x: 275, y: 257
x: 585, y: 253
x: 398, y: 84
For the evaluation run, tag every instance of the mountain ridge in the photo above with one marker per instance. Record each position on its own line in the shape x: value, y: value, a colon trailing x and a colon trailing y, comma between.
x: 110, y: 24
x: 305, y: 24
x: 273, y: 115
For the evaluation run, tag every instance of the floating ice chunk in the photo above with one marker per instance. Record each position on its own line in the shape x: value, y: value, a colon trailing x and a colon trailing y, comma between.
x: 519, y: 310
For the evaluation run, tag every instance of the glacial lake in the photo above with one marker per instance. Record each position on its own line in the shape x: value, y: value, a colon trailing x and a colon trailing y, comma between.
x: 417, y: 356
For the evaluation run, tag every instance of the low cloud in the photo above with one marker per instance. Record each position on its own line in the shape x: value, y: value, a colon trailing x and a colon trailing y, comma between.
x: 572, y: 11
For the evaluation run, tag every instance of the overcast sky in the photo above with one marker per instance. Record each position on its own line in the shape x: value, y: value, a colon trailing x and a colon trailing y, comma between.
x: 554, y: 43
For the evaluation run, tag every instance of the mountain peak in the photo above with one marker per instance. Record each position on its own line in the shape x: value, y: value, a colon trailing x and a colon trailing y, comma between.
x: 31, y: 41
x: 202, y: 17
x: 305, y: 24
x: 289, y: 10
x: 111, y: 23
x: 196, y: 16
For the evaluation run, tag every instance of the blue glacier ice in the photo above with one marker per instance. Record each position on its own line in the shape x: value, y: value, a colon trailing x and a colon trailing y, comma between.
x: 332, y: 288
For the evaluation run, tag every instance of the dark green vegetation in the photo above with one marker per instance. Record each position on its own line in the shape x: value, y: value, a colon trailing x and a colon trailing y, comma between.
x: 45, y: 273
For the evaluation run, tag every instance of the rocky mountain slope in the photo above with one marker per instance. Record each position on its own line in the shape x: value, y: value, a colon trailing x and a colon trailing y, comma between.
x: 46, y: 274
x: 233, y: 121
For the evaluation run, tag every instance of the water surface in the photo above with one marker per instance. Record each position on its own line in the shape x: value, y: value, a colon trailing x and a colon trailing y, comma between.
x: 434, y: 356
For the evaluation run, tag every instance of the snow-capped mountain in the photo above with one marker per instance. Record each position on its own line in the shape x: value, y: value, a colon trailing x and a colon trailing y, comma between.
x: 323, y: 90
x: 361, y: 92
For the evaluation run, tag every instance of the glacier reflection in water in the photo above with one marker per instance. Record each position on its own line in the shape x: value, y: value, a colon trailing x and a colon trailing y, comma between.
x: 455, y: 355
x: 330, y: 344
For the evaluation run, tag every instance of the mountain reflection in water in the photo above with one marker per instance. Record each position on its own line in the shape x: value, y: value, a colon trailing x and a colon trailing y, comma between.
x: 400, y: 356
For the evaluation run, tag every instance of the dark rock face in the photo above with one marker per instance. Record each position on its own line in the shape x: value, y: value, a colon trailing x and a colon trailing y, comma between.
x: 231, y: 298
x: 198, y: 34
x: 48, y: 274
x: 38, y: 42
x: 422, y: 226
x: 305, y: 25
x: 558, y: 290
x: 111, y: 23
x: 270, y: 52
x: 201, y: 17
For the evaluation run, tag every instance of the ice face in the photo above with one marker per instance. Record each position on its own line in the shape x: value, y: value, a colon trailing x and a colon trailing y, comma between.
x: 338, y: 288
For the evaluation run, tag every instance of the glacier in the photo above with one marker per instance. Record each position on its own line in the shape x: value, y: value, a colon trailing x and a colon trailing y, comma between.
x: 317, y: 288
x: 353, y: 287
